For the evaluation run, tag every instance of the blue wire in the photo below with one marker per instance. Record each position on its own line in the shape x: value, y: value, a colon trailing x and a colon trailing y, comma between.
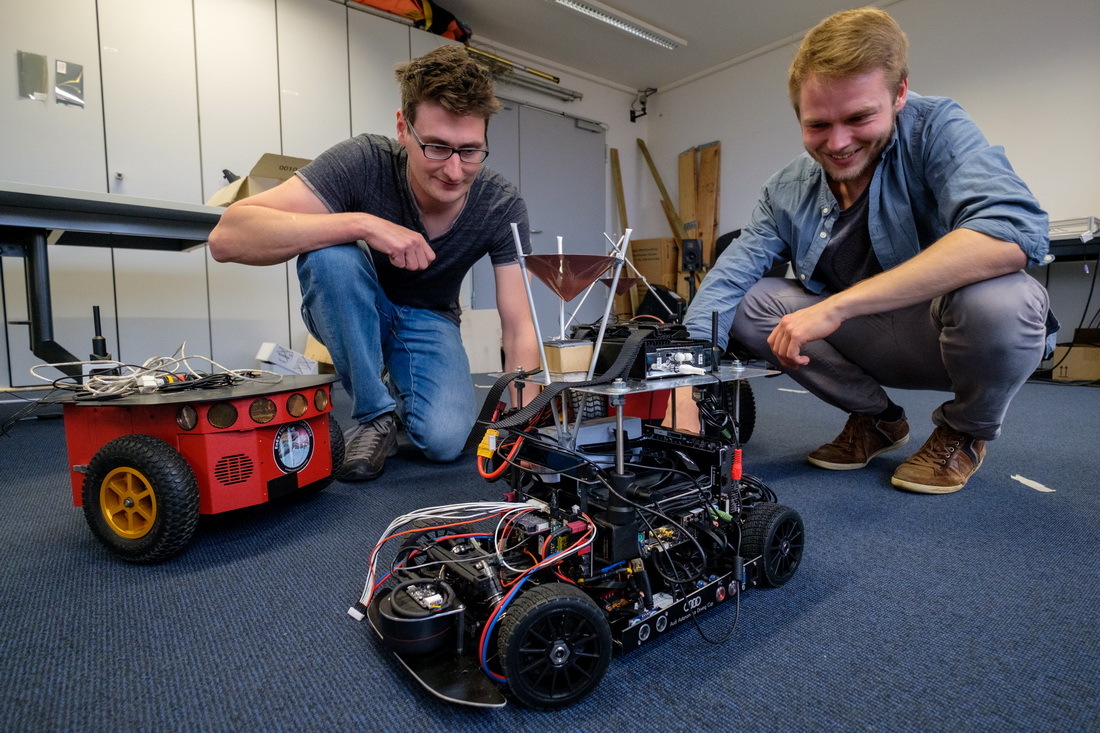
x: 489, y: 633
x: 484, y: 661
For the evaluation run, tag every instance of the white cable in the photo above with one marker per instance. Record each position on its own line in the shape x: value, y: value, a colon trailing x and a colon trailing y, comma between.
x: 132, y: 379
x: 468, y: 512
x: 448, y: 514
x: 453, y: 513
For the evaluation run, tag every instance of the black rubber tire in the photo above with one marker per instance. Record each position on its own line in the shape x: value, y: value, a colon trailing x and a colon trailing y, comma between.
x: 141, y: 499
x: 554, y: 645
x: 746, y: 415
x: 775, y: 534
x: 336, y: 441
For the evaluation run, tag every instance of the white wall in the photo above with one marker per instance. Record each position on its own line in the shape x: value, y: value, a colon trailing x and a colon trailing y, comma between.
x: 1027, y: 72
x: 604, y: 102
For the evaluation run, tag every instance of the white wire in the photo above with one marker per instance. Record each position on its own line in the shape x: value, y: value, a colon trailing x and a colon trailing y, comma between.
x: 129, y: 380
x: 448, y: 514
x: 469, y: 512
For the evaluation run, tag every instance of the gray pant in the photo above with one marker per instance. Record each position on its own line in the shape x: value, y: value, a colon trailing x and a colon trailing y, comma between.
x: 980, y: 343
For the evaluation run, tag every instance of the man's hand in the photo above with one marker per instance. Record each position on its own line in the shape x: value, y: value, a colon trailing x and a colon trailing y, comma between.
x: 404, y: 247
x: 798, y: 329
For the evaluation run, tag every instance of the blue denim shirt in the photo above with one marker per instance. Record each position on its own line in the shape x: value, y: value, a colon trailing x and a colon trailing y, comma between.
x: 938, y: 173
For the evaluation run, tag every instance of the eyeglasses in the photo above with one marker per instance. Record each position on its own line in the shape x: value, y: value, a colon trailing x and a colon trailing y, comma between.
x: 434, y: 151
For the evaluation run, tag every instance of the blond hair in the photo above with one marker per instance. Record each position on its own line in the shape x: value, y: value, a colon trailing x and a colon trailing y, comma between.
x: 448, y: 77
x: 850, y: 43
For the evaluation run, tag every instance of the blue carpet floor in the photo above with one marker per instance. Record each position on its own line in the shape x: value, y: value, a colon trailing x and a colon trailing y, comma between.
x: 973, y: 611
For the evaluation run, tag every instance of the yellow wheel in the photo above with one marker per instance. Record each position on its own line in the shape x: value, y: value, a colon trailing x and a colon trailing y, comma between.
x: 141, y: 499
x: 128, y: 503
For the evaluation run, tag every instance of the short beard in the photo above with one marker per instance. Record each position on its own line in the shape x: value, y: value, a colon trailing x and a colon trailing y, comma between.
x: 877, y: 146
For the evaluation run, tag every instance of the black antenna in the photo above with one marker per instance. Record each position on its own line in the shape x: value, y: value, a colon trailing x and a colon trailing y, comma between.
x: 714, y: 339
x: 99, y: 344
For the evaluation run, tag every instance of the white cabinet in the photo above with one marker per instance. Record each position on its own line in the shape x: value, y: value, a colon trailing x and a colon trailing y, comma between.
x: 47, y: 143
x: 375, y: 47
x: 150, y: 106
x: 51, y: 144
x: 151, y: 111
x: 238, y: 86
x: 238, y: 79
x: 313, y: 75
x: 314, y: 97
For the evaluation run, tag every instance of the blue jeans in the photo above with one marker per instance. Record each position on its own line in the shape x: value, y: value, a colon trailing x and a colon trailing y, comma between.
x: 980, y: 342
x: 390, y: 358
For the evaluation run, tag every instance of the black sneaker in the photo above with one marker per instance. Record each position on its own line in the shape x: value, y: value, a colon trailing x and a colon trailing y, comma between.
x: 367, y: 446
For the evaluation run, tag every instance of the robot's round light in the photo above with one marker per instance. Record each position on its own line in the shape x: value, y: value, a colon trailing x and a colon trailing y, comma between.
x: 320, y: 400
x: 222, y: 415
x: 187, y: 417
x: 262, y: 410
x: 297, y: 404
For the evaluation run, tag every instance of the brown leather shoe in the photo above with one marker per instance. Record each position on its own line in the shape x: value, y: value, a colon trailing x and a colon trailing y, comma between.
x: 943, y: 464
x: 862, y: 438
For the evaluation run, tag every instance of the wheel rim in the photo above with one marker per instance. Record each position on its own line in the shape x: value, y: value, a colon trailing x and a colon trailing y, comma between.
x: 560, y: 654
x: 128, y: 503
x: 786, y: 548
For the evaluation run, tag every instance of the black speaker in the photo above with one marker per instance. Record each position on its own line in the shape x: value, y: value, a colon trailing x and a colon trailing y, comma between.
x: 691, y: 255
x: 661, y: 303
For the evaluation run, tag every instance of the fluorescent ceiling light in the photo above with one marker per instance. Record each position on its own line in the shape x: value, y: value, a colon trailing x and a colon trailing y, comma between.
x: 624, y: 22
x: 510, y: 77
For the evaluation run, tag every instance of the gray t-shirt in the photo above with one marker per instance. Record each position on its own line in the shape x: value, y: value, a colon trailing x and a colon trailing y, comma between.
x: 368, y: 173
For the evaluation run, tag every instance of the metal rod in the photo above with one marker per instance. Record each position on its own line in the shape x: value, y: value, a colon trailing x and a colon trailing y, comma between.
x: 619, y: 258
x: 531, y: 303
x: 620, y: 442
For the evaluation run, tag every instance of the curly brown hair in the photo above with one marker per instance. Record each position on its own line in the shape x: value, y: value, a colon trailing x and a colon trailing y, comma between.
x: 448, y: 77
x: 850, y: 43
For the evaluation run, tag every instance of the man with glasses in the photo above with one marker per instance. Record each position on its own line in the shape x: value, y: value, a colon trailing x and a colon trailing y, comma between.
x: 384, y: 231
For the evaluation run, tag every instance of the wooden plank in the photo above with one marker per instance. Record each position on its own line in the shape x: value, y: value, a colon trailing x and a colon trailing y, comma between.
x: 687, y: 185
x: 626, y: 305
x: 706, y: 199
x: 617, y: 184
x: 674, y: 220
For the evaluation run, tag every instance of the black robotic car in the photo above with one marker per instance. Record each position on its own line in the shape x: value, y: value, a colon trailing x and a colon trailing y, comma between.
x: 612, y: 531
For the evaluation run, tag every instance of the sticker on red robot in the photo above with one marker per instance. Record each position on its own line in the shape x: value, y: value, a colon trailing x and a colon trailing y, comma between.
x: 293, y: 446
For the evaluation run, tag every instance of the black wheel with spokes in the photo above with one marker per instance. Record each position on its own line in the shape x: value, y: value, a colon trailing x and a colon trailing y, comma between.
x: 555, y: 645
x: 336, y: 450
x: 736, y: 401
x: 773, y: 535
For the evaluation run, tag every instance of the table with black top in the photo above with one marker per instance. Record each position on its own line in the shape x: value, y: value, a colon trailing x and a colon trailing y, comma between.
x: 34, y: 217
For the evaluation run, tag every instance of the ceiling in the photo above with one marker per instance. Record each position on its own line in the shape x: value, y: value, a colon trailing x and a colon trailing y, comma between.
x: 717, y: 32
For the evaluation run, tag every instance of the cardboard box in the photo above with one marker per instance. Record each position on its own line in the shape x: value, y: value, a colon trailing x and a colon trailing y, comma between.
x: 316, y: 350
x: 568, y: 361
x: 657, y: 260
x: 269, y: 172
x: 1076, y: 363
x: 285, y: 361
